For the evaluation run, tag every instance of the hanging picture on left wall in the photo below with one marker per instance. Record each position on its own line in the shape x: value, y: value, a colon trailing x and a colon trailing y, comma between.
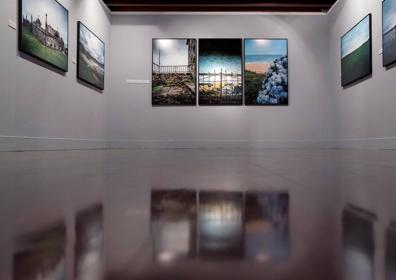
x: 174, y: 72
x: 43, y: 31
x: 90, y: 57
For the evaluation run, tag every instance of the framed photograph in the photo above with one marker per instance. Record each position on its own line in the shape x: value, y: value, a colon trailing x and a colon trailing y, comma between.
x: 174, y: 72
x: 90, y: 57
x: 220, y: 72
x: 389, y: 32
x: 356, y: 53
x: 266, y: 72
x: 43, y: 31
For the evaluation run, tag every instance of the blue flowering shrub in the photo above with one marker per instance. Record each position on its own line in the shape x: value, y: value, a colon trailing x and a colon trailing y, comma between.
x: 274, y: 89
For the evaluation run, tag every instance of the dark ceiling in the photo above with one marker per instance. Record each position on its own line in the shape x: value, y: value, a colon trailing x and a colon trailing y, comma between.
x: 219, y: 5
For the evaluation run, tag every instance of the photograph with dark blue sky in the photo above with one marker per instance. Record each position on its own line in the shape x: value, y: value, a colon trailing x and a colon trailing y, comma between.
x: 389, y: 32
x: 220, y: 72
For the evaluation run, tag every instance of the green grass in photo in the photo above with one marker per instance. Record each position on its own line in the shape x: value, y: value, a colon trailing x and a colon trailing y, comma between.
x: 30, y: 44
x: 253, y: 84
x: 357, y: 64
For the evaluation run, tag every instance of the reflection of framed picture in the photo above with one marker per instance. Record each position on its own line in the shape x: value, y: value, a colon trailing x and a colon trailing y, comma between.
x: 266, y: 226
x: 90, y: 57
x: 358, y: 243
x: 391, y: 253
x: 220, y: 72
x: 43, y: 31
x: 174, y: 224
x: 89, y: 244
x: 41, y: 255
x: 266, y: 72
x: 174, y: 72
x: 220, y: 224
x: 356, y: 52
x: 389, y: 32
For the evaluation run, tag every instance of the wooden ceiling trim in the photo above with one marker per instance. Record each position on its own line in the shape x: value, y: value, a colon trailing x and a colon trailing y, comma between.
x: 138, y: 6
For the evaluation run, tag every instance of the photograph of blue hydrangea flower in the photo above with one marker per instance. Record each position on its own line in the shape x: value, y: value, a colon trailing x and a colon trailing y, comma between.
x: 389, y: 31
x: 266, y: 72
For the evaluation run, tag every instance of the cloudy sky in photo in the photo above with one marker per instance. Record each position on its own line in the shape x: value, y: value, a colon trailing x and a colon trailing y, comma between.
x: 359, y: 35
x: 57, y: 15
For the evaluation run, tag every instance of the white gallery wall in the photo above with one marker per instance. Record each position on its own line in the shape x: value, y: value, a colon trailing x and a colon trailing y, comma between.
x: 133, y: 122
x: 41, y: 108
x: 363, y: 115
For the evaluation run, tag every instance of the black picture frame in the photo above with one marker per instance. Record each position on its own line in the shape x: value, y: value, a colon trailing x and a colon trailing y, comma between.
x: 387, y: 62
x: 347, y: 82
x: 153, y: 104
x: 244, y: 73
x: 33, y: 55
x: 79, y: 76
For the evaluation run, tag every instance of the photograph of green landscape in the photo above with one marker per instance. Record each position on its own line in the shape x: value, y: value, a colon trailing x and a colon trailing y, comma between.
x: 91, y: 58
x: 174, y: 72
x: 43, y: 31
x: 389, y: 31
x: 356, y: 53
x: 266, y: 72
x: 220, y: 72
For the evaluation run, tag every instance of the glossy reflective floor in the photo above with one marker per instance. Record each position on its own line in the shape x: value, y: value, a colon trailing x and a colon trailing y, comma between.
x: 198, y: 214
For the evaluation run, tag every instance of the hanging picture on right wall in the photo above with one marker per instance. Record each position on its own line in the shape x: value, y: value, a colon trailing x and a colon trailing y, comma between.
x: 356, y: 53
x: 266, y: 72
x: 389, y: 32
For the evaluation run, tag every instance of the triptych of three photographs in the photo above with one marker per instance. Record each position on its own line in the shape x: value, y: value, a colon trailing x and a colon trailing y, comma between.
x: 220, y: 72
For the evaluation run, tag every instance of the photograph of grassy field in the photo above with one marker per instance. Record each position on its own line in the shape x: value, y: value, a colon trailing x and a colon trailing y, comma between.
x: 356, y: 53
x: 174, y: 72
x: 91, y: 57
x: 389, y: 31
x: 43, y: 31
x: 266, y: 72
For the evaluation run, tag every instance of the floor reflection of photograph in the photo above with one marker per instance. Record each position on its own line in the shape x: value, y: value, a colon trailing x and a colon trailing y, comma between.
x: 391, y: 253
x: 41, y: 255
x: 358, y: 238
x: 220, y: 224
x: 173, y: 223
x: 266, y: 226
x: 89, y: 243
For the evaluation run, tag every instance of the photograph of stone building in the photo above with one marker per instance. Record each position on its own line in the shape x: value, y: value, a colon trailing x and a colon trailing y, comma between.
x: 44, y: 31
